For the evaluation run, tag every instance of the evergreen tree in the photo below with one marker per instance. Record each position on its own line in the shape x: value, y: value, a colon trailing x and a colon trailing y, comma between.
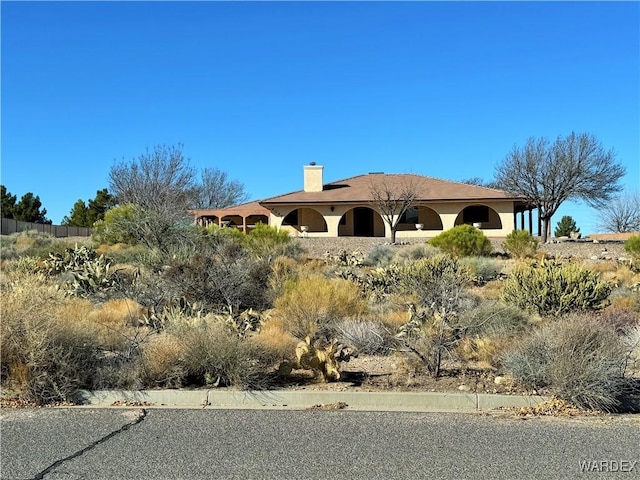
x: 8, y: 202
x: 28, y: 209
x: 565, y: 227
x: 82, y: 215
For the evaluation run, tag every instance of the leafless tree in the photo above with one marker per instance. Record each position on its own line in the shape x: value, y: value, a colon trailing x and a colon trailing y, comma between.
x: 161, y: 185
x: 575, y: 167
x: 218, y: 191
x: 392, y: 199
x: 621, y: 214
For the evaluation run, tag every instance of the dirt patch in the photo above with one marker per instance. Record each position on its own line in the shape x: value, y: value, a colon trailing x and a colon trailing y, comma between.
x: 403, y: 373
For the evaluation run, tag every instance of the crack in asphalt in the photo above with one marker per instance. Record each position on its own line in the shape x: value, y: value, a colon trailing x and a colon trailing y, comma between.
x: 124, y: 428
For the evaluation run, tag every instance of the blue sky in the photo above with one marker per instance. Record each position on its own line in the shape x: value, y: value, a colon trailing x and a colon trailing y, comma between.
x: 259, y: 89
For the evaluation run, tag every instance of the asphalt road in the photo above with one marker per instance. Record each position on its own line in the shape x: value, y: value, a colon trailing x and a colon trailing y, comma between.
x: 88, y: 443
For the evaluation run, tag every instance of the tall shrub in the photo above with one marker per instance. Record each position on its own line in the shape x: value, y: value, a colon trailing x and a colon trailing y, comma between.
x: 463, y: 241
x: 551, y: 288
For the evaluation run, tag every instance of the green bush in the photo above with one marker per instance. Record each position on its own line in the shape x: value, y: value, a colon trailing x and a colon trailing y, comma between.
x: 520, y: 244
x: 223, y: 234
x: 578, y: 359
x: 116, y: 226
x: 266, y: 241
x: 463, y: 241
x: 632, y: 247
x: 551, y: 288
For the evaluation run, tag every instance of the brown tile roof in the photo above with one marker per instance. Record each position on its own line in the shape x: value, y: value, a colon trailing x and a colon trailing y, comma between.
x: 244, y: 209
x: 358, y: 189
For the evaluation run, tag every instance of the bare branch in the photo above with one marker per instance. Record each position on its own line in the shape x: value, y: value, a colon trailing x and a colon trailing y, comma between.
x: 575, y: 167
x: 392, y: 200
x: 621, y: 214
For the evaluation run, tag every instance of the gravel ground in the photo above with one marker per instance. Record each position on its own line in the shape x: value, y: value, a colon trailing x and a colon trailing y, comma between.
x: 586, y: 249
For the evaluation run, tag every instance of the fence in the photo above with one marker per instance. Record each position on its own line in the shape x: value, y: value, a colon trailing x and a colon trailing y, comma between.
x: 9, y: 225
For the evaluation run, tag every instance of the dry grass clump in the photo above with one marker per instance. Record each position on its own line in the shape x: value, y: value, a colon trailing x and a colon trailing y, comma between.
x: 310, y: 306
x: 47, y: 351
x: 213, y: 354
x: 273, y: 337
x: 117, y: 322
x: 369, y: 337
x: 161, y: 358
x: 578, y: 359
x: 487, y: 350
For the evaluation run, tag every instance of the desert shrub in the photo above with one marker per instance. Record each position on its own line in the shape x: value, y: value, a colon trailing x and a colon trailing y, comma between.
x: 311, y: 306
x: 219, y: 234
x: 489, y: 328
x: 632, y: 247
x: 492, y: 317
x: 619, y: 319
x: 520, y: 244
x: 578, y: 359
x: 283, y: 269
x: 116, y: 320
x: 275, y: 339
x: 161, y: 361
x: 462, y: 241
x: 439, y: 282
x: 481, y: 269
x: 225, y: 278
x: 215, y: 355
x: 27, y: 264
x: 551, y: 288
x: 631, y: 339
x: 366, y: 336
x: 117, y: 226
x: 46, y: 355
x: 487, y: 350
x: 413, y: 253
x: 379, y: 256
x: 269, y: 242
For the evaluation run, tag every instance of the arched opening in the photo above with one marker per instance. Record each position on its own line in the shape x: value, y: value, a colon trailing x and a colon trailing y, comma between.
x: 420, y: 215
x: 361, y: 222
x: 482, y: 216
x: 305, y: 217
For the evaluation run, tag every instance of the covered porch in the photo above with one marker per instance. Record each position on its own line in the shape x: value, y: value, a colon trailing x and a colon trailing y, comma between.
x: 243, y: 217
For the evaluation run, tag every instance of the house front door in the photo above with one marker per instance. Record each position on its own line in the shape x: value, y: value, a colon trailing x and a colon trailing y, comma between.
x: 362, y: 222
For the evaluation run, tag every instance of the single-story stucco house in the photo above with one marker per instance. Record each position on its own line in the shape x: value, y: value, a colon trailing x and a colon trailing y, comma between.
x: 348, y: 208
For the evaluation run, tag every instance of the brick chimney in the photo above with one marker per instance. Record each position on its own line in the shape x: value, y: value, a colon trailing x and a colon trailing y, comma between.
x: 313, y: 177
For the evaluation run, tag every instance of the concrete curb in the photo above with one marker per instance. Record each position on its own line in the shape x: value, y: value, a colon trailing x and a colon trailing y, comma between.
x: 298, y: 399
